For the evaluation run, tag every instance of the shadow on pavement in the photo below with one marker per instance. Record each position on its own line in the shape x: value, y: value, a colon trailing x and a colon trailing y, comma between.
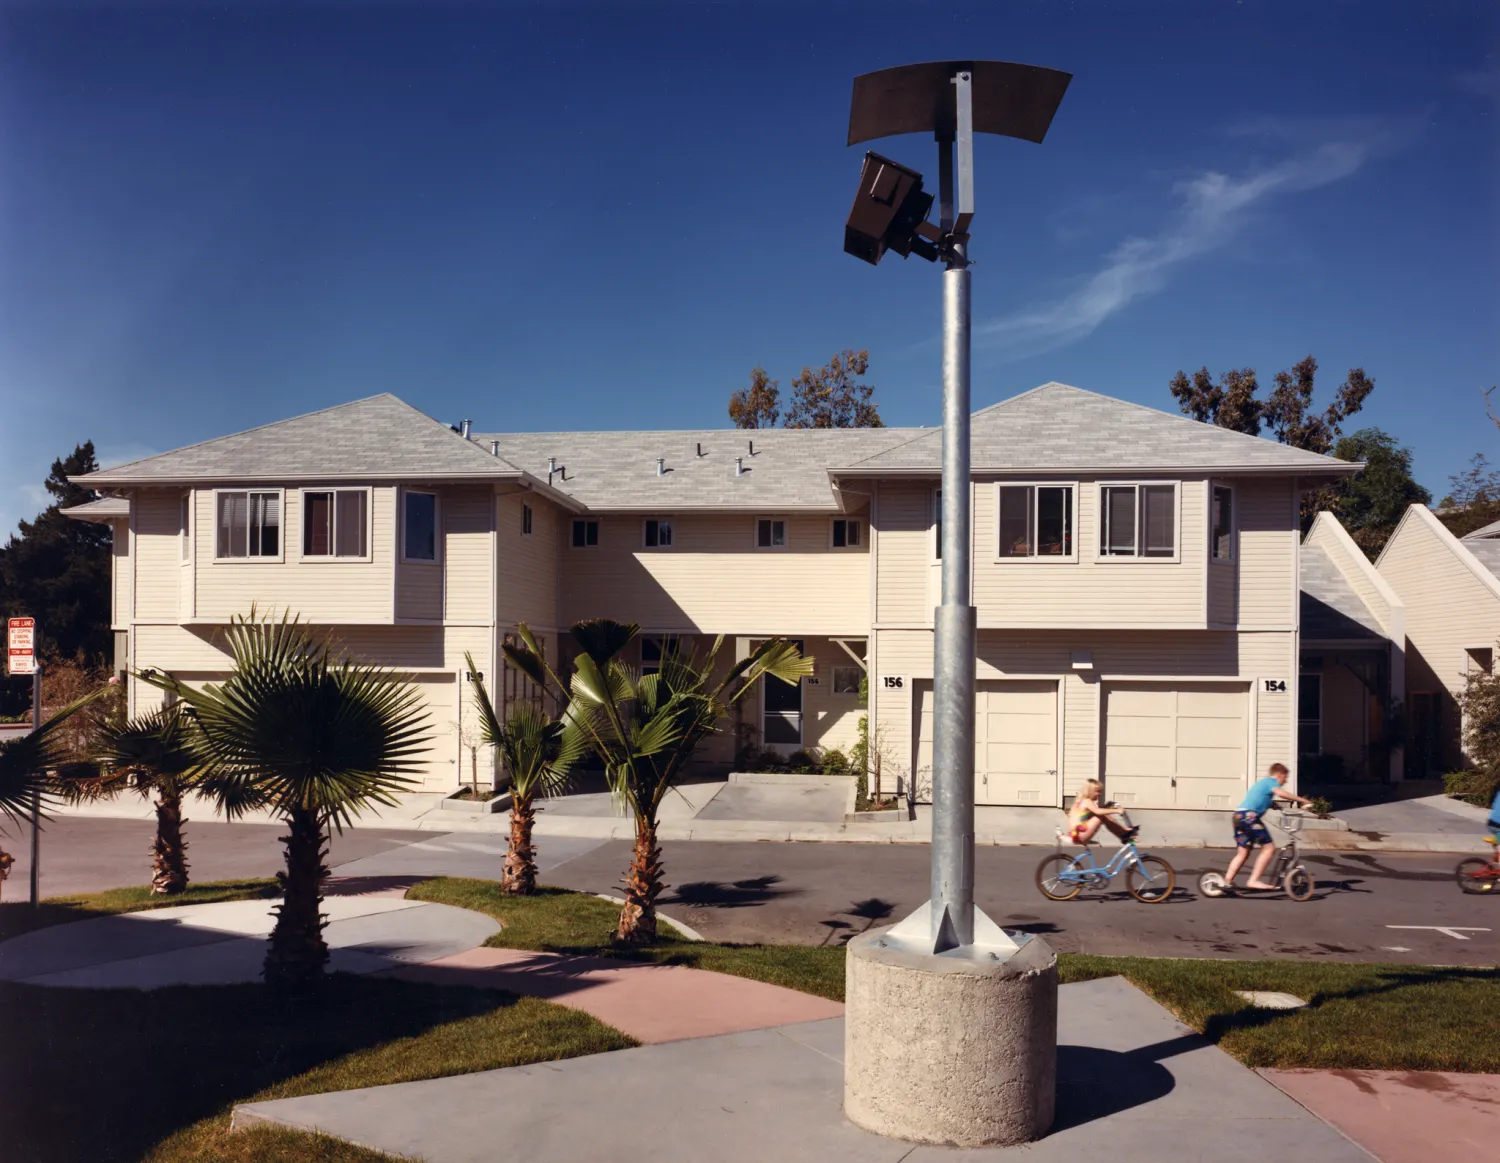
x: 1094, y: 1084
x: 737, y: 895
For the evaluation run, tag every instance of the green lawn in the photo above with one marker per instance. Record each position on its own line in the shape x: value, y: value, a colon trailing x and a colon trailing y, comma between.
x: 17, y: 916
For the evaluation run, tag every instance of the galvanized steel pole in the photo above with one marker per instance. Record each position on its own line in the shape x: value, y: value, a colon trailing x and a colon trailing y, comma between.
x: 954, y: 620
x: 36, y: 795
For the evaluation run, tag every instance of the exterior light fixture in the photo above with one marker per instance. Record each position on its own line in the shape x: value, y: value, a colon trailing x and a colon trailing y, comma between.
x: 889, y: 209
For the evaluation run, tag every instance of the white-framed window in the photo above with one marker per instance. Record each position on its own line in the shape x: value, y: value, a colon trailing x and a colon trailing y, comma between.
x: 185, y: 529
x: 1221, y: 522
x: 846, y: 679
x: 248, y: 524
x: 419, y: 526
x: 937, y: 524
x: 656, y: 533
x: 770, y: 533
x: 1138, y: 521
x: 1036, y: 521
x: 525, y: 520
x: 656, y: 647
x: 585, y: 533
x: 336, y: 523
x: 847, y: 533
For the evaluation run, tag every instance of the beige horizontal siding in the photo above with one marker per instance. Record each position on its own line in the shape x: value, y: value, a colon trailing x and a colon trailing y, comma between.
x: 527, y: 587
x: 1267, y: 544
x: 1352, y: 565
x: 902, y: 514
x: 468, y: 554
x: 715, y: 580
x: 324, y: 590
x: 158, y: 517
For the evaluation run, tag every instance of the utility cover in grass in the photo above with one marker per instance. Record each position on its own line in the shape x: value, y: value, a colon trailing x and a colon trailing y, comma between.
x: 1270, y: 999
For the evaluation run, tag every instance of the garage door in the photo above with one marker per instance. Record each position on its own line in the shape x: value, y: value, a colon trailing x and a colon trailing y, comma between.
x: 1176, y: 745
x: 438, y: 768
x: 1015, y: 741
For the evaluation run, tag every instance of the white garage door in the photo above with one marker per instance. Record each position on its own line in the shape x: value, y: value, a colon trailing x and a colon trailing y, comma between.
x: 1176, y: 745
x: 439, y: 766
x: 1015, y: 741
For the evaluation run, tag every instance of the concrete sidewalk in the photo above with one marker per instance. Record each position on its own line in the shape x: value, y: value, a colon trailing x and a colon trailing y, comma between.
x: 1134, y: 1085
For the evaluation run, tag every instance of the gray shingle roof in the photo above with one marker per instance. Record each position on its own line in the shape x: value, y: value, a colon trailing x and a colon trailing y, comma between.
x: 104, y: 509
x: 381, y: 437
x: 617, y: 470
x: 1483, y: 532
x: 1331, y: 609
x: 1059, y: 428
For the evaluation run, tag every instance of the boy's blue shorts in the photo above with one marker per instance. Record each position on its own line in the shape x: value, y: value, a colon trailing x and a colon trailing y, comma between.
x: 1249, y: 830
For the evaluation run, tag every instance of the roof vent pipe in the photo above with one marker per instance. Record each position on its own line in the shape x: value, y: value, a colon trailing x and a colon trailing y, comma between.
x: 700, y: 448
x: 739, y: 466
x: 661, y: 466
x: 552, y: 464
x: 752, y: 448
x: 463, y: 428
x: 494, y: 448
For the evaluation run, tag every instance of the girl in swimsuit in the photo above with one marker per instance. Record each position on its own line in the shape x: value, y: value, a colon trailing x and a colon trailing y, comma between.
x: 1088, y: 814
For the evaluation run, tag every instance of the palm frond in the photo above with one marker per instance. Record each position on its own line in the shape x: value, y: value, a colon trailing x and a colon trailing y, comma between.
x: 602, y: 639
x: 25, y: 762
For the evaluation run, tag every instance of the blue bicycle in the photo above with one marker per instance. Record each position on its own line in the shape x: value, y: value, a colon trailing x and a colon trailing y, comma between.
x: 1061, y: 877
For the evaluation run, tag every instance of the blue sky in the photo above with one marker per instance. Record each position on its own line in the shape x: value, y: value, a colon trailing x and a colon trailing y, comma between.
x: 563, y: 215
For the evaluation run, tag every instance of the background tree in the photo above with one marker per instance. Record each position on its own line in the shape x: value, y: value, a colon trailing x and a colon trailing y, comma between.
x: 759, y: 405
x: 1473, y: 499
x: 1230, y: 403
x: 56, y: 570
x: 645, y: 729
x: 1371, y: 504
x: 315, y: 738
x: 1287, y: 412
x: 833, y: 397
x: 538, y: 752
x: 1479, y: 702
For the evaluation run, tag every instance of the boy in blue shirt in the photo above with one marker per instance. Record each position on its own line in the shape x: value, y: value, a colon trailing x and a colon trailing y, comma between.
x: 1250, y: 829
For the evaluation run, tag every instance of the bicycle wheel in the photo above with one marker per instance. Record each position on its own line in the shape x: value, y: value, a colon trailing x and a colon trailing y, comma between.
x: 1151, y: 880
x: 1476, y: 874
x: 1050, y: 880
x: 1298, y: 883
x: 1212, y: 884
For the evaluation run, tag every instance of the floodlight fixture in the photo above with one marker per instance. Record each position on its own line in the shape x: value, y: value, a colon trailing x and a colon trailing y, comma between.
x: 952, y: 100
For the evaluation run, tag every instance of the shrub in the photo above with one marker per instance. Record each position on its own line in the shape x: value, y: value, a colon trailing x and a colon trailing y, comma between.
x: 1479, y: 703
x: 1472, y: 787
x: 835, y: 762
x: 1320, y: 807
x: 804, y: 762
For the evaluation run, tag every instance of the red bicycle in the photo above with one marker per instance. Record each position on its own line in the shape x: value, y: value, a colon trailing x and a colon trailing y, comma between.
x: 1477, y: 874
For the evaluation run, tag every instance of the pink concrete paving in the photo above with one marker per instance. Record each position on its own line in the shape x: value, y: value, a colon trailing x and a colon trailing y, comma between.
x: 1403, y: 1116
x: 651, y: 1003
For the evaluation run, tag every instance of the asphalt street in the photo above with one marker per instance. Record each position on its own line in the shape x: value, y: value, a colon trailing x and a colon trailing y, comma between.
x: 1369, y: 907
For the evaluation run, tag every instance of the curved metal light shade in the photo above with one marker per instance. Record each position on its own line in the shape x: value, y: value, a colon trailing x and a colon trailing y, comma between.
x: 1009, y: 99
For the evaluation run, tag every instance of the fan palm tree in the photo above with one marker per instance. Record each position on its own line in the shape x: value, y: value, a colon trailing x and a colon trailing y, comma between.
x: 316, y: 739
x: 156, y: 754
x: 645, y: 729
x: 32, y: 766
x: 538, y: 752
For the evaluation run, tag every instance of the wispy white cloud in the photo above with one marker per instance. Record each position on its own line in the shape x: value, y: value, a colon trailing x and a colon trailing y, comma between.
x: 1481, y: 82
x: 1211, y: 208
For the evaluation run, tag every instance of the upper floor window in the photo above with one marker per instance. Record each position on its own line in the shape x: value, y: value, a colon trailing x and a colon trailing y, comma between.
x: 184, y: 528
x: 1036, y: 520
x: 585, y: 534
x: 657, y: 647
x: 1223, y: 523
x: 937, y: 524
x: 658, y: 533
x: 525, y: 520
x: 770, y: 533
x: 249, y: 524
x: 1138, y: 521
x: 419, y: 526
x: 335, y: 523
x: 847, y: 533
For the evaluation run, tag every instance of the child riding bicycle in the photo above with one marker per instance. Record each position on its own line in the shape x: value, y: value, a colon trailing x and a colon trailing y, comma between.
x: 1088, y: 814
x: 1250, y: 830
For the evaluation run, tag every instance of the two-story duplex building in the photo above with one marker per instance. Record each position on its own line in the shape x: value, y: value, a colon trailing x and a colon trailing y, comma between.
x: 1136, y: 573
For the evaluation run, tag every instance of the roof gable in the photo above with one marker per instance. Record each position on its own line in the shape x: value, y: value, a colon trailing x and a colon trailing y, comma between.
x: 380, y: 437
x: 1060, y: 428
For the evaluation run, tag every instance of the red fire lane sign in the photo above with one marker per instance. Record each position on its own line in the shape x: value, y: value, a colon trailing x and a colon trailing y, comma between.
x: 20, y: 646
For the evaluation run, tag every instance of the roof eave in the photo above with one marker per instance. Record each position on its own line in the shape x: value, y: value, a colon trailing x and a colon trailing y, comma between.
x: 1347, y: 468
x: 102, y: 480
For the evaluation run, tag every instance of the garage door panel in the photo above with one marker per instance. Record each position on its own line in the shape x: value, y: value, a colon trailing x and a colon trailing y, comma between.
x: 1015, y: 740
x: 1191, y: 735
x: 438, y: 767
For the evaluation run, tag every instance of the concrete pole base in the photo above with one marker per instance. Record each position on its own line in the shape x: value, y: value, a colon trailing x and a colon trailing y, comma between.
x: 958, y: 1048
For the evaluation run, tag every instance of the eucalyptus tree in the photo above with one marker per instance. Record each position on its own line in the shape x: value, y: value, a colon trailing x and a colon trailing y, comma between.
x: 315, y: 738
x: 645, y: 728
x: 538, y: 752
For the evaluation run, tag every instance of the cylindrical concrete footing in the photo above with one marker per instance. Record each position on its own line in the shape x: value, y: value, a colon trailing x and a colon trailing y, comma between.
x: 946, y: 1049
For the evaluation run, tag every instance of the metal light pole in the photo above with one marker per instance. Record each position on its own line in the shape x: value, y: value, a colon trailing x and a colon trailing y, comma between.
x: 36, y: 796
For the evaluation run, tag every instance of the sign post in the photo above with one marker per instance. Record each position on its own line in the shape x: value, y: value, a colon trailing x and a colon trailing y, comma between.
x: 20, y: 646
x: 20, y: 658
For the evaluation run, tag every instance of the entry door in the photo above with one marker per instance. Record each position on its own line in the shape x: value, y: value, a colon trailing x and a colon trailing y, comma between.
x: 781, y: 703
x: 1015, y: 741
x: 1176, y: 745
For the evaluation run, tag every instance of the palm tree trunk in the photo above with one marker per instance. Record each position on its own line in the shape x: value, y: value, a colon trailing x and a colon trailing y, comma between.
x: 519, y: 876
x: 169, y: 866
x: 297, y: 952
x: 642, y: 886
